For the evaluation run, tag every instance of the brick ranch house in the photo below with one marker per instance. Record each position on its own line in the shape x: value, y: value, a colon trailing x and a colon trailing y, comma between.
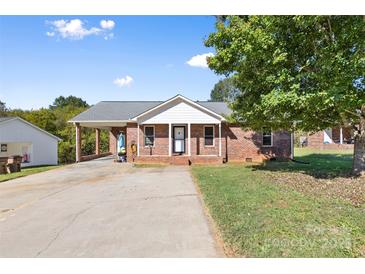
x: 178, y: 131
x: 331, y: 138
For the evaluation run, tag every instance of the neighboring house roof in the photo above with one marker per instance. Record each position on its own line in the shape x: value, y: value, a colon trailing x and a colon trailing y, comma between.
x: 8, y: 119
x: 127, y: 110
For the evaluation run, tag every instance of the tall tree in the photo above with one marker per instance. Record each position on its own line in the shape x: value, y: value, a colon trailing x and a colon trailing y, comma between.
x: 223, y: 91
x: 74, y: 101
x: 295, y: 72
x: 3, y: 109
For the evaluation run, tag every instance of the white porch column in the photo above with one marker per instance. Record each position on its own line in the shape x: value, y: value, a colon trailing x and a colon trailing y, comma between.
x: 220, y: 139
x: 341, y: 136
x: 189, y: 142
x: 169, y: 139
x: 78, y: 142
x: 137, y: 139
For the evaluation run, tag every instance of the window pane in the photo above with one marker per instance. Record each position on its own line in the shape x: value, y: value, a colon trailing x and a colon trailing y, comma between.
x: 266, y: 140
x: 148, y: 141
x: 208, y: 131
x: 148, y: 131
x: 208, y: 141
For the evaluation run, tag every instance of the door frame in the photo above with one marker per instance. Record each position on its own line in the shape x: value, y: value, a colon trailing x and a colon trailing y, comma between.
x: 173, y: 138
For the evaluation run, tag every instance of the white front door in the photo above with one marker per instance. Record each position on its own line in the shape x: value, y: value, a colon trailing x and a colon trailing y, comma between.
x: 179, y: 139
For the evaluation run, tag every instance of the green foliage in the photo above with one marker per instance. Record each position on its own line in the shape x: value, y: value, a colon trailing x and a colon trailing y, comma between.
x: 3, y: 109
x: 223, y: 91
x: 43, y: 118
x: 303, y: 69
x: 72, y: 101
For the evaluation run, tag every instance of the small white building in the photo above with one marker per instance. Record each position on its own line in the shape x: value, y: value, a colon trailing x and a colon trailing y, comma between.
x: 35, y: 145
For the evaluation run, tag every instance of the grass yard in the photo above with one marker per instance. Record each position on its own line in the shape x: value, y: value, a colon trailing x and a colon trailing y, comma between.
x: 25, y: 172
x: 320, y: 163
x: 271, y: 210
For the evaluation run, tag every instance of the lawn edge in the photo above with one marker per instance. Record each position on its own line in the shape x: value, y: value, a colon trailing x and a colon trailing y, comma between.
x: 220, y: 244
x: 26, y: 175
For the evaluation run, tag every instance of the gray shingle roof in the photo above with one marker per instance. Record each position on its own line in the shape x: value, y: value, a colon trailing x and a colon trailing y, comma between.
x: 125, y: 110
x: 220, y: 108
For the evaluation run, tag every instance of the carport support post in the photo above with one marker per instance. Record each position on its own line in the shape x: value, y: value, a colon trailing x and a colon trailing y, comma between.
x: 78, y: 142
x: 220, y: 139
x: 97, y: 141
x: 170, y: 139
x: 189, y: 141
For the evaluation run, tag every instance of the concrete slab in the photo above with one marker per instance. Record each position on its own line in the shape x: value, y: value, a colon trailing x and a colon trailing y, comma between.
x: 104, y: 209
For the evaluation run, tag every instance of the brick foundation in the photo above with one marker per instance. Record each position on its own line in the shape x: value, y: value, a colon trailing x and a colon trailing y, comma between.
x: 180, y: 160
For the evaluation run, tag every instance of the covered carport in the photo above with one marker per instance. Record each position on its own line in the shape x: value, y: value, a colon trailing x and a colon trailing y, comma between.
x: 115, y: 128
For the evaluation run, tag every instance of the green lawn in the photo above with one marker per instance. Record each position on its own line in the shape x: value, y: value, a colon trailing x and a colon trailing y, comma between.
x: 318, y: 163
x: 25, y: 172
x: 259, y: 218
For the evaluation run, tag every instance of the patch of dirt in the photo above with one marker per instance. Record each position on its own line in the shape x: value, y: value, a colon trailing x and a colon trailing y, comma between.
x: 349, y: 189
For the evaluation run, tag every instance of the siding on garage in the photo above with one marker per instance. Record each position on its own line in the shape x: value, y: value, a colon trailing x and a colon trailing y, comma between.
x: 43, y: 145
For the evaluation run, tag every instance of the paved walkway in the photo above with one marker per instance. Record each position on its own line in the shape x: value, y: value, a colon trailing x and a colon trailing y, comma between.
x: 104, y: 209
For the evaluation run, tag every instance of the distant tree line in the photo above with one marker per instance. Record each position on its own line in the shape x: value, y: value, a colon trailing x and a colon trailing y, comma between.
x: 54, y: 120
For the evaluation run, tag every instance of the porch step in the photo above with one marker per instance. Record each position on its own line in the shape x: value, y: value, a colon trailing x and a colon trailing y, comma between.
x: 179, y: 160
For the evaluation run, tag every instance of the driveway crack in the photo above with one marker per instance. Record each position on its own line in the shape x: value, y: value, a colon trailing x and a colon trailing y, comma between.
x: 62, y: 230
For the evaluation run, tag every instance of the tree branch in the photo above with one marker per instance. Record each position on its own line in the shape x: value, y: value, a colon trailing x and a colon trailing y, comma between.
x: 353, y: 113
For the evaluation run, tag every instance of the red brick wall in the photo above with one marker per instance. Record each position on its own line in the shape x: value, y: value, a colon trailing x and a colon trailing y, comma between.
x: 131, y: 138
x: 161, y: 146
x: 237, y: 145
x: 240, y: 145
x: 316, y: 140
x: 113, y: 135
x: 197, y: 141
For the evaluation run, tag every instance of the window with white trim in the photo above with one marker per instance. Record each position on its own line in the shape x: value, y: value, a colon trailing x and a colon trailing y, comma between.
x: 209, y: 135
x: 149, y: 136
x: 266, y: 137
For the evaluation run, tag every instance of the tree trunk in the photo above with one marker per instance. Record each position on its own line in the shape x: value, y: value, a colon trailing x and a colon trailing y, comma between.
x: 358, y: 165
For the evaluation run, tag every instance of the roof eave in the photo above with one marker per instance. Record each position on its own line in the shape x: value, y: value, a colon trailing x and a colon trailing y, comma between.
x: 183, y: 98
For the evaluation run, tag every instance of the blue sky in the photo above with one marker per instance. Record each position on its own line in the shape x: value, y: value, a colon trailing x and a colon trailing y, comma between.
x: 103, y: 58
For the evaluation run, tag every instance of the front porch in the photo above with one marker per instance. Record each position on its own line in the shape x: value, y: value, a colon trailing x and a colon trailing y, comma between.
x: 180, y: 144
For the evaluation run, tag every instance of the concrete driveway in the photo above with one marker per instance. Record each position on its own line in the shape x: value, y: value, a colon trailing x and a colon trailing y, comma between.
x: 104, y: 209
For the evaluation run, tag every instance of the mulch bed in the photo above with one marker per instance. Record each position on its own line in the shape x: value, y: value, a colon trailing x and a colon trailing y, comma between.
x: 347, y: 188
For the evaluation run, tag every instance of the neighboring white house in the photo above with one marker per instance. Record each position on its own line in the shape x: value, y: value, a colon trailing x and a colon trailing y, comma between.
x: 35, y: 145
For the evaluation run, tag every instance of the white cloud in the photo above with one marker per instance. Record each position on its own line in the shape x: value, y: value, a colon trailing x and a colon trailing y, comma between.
x: 107, y: 24
x: 75, y: 29
x: 200, y: 60
x: 123, y: 81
